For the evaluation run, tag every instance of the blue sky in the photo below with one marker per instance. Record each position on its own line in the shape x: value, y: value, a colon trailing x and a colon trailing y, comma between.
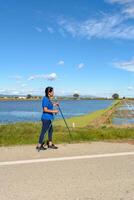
x: 76, y: 45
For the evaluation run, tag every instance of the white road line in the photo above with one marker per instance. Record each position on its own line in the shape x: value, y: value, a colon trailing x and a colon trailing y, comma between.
x: 17, y: 162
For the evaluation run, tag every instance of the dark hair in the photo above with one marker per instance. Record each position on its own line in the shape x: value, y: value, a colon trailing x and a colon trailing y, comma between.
x: 47, y: 90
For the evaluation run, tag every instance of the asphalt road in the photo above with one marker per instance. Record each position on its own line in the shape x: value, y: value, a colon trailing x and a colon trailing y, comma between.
x: 73, y: 172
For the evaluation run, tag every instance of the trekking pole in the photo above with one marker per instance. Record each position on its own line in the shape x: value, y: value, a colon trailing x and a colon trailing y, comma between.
x: 63, y: 117
x: 64, y: 121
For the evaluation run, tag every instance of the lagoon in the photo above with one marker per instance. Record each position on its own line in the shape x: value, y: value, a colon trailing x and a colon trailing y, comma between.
x: 124, y: 114
x: 27, y: 111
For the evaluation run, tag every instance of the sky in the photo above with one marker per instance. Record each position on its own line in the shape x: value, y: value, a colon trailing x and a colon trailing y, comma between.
x: 83, y: 46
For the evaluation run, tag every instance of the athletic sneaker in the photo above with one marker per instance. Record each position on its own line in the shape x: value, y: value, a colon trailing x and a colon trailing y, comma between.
x: 41, y: 148
x: 52, y: 146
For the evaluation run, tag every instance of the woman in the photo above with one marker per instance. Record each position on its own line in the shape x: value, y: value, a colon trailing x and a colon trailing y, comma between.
x: 47, y: 118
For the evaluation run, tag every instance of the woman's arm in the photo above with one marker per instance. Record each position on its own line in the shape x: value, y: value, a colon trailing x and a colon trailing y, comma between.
x: 56, y: 104
x: 50, y: 111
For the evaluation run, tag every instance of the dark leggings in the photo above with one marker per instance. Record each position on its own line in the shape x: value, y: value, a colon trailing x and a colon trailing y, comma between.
x: 46, y: 126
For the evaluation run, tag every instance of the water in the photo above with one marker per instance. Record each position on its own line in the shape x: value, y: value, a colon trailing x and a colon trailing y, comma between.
x: 120, y: 121
x: 124, y: 114
x: 23, y: 111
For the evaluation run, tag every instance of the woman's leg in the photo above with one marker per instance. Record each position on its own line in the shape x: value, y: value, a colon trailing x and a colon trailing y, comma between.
x: 50, y: 133
x: 45, y: 127
x: 50, y: 137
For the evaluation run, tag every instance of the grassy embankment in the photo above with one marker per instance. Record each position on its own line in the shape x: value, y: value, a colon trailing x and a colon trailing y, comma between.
x: 91, y: 118
x: 27, y: 133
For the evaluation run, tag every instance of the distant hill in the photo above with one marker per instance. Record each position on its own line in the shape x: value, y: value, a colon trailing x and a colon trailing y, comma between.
x: 58, y: 96
x: 8, y: 95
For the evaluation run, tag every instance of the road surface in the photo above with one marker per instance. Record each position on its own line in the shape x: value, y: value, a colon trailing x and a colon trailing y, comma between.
x: 86, y: 171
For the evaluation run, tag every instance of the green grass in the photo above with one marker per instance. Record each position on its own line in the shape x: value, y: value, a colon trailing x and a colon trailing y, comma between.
x: 19, y: 133
x: 28, y: 133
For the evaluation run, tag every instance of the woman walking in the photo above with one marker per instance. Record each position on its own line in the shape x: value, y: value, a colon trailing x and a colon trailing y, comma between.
x: 47, y: 118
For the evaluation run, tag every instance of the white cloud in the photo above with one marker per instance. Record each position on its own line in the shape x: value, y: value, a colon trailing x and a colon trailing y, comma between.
x: 22, y: 91
x: 130, y: 88
x: 50, y: 77
x: 39, y: 29
x: 129, y: 11
x: 32, y: 77
x: 2, y: 91
x: 11, y: 91
x: 120, y: 1
x: 81, y: 65
x: 68, y: 26
x: 105, y: 26
x: 127, y: 7
x: 50, y: 30
x: 125, y: 65
x: 61, y: 62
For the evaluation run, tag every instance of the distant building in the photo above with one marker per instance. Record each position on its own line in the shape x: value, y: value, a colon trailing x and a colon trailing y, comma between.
x: 21, y: 97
